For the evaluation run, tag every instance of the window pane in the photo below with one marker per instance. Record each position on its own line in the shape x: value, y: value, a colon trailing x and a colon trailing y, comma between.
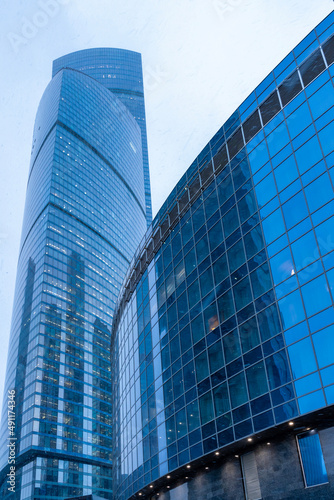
x: 249, y: 335
x: 220, y: 396
x: 202, y: 369
x: 253, y: 241
x: 322, y: 100
x: 238, y: 390
x: 216, y: 358
x: 312, y: 67
x: 290, y: 88
x: 206, y: 408
x: 326, y: 136
x: 270, y: 107
x: 278, y: 370
x: 235, y: 143
x: 278, y: 139
x: 316, y: 295
x: 305, y: 250
x: 324, y: 346
x: 302, y: 358
x: 257, y: 380
x: 299, y: 120
x: 328, y: 48
x: 252, y: 125
x: 236, y: 256
x: 225, y: 306
x: 282, y: 266
x: 231, y: 346
x: 312, y: 459
x: 295, y: 210
x: 308, y: 155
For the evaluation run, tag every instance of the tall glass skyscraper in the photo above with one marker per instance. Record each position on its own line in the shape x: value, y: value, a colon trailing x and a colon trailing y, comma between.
x: 87, y: 207
x: 223, y: 337
x: 121, y: 72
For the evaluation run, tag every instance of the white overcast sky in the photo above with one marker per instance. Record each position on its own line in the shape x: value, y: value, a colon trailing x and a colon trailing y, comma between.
x: 201, y: 58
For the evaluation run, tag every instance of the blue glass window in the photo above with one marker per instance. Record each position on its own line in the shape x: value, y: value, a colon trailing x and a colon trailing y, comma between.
x: 225, y: 306
x: 225, y: 189
x: 198, y: 218
x: 261, y: 280
x: 241, y: 173
x: 206, y: 282
x: 249, y: 335
x: 193, y: 415
x: 282, y: 266
x: 265, y: 190
x: 285, y: 173
x: 236, y: 256
x: 295, y: 210
x: 308, y: 155
x: 319, y: 192
x: 326, y: 136
x: 258, y: 157
x: 210, y: 318
x: 238, y: 390
x: 278, y: 139
x: 312, y: 459
x: 186, y: 232
x: 305, y: 250
x: 216, y: 358
x: 296, y: 333
x: 221, y: 399
x: 202, y: 249
x: 220, y: 269
x: 278, y: 370
x: 193, y: 294
x: 197, y: 329
x: 206, y: 408
x: 307, y: 384
x: 325, y: 234
x: 231, y: 346
x: 247, y: 206
x: 322, y: 100
x: 242, y: 293
x: 316, y: 295
x: 190, y: 261
x: 273, y: 226
x: 302, y: 358
x: 324, y: 346
x: 311, y: 402
x: 211, y: 204
x: 215, y: 236
x: 253, y: 241
x: 256, y: 380
x: 269, y: 323
x: 230, y: 221
x: 299, y: 120
x: 291, y: 309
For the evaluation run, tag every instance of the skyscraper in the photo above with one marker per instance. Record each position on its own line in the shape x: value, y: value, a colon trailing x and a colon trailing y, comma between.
x: 223, y: 336
x: 87, y: 208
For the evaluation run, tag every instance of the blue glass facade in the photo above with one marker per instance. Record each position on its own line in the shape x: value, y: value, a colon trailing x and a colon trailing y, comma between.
x: 121, y: 72
x: 225, y: 323
x: 85, y: 214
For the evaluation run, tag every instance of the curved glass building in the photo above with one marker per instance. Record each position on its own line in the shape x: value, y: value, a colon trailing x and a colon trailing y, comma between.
x: 121, y: 72
x: 85, y: 215
x: 223, y: 340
